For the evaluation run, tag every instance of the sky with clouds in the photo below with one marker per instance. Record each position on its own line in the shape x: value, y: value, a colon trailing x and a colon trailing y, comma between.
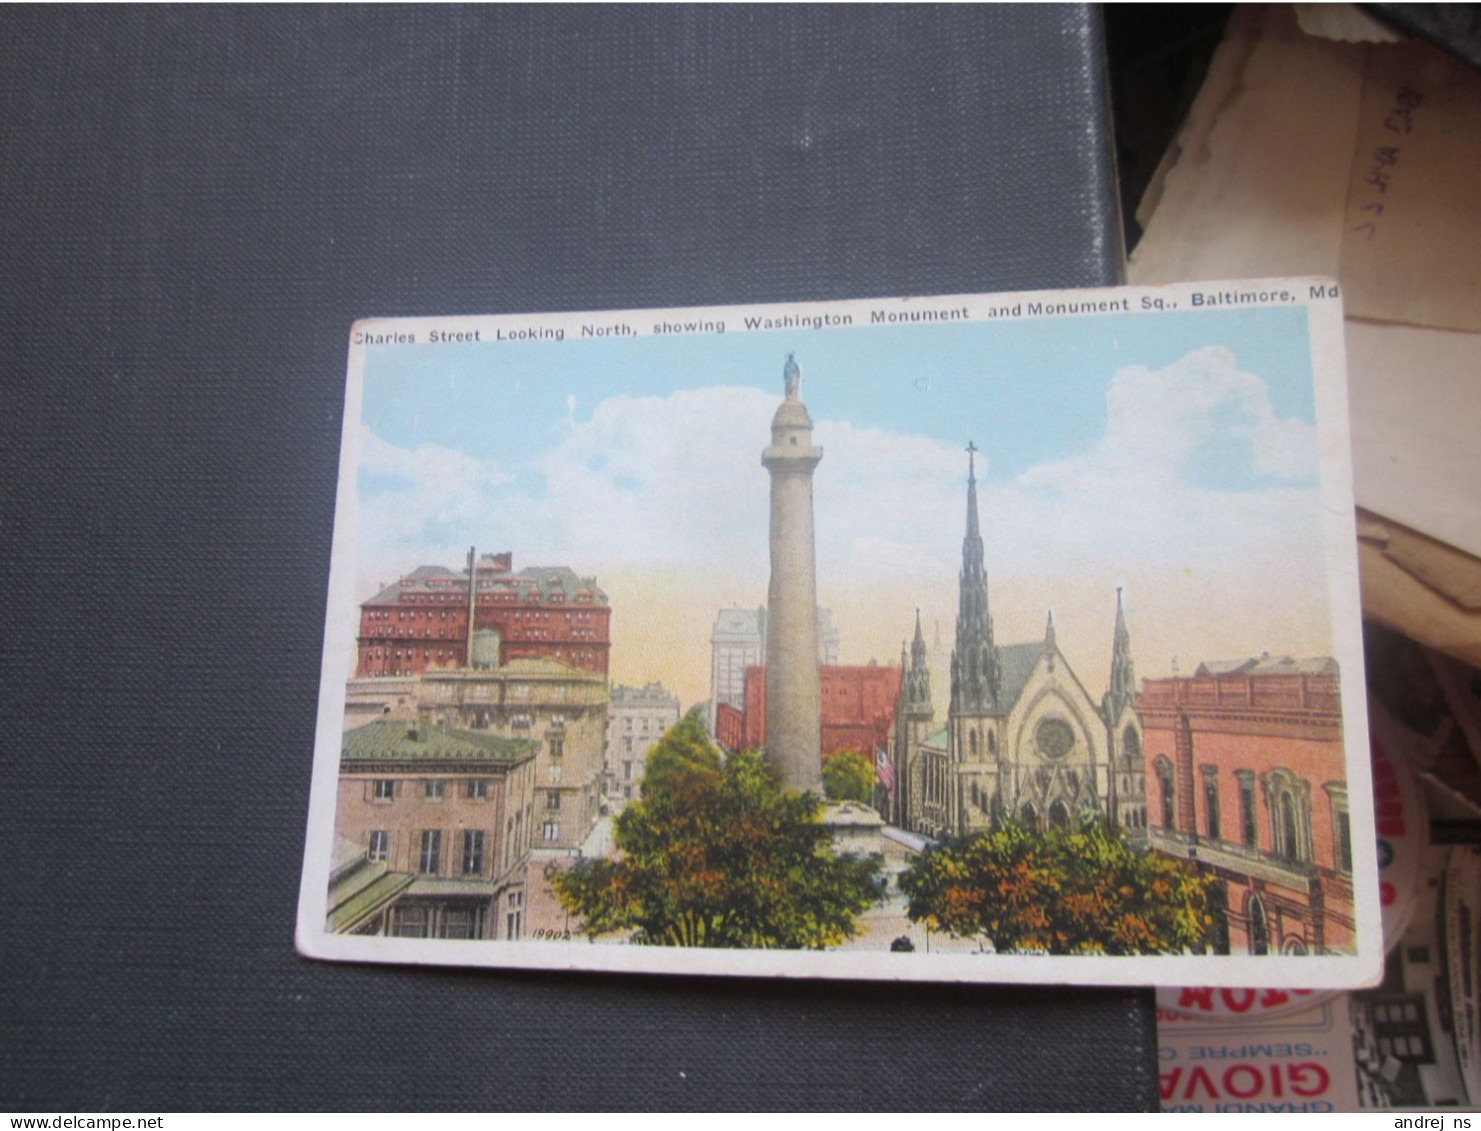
x: 1175, y: 456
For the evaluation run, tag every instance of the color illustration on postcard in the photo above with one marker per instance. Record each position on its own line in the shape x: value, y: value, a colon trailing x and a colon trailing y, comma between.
x: 994, y: 638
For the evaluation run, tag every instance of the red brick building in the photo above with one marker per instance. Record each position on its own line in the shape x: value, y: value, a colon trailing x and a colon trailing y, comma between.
x: 730, y: 726
x: 858, y: 708
x: 1246, y: 776
x: 421, y: 623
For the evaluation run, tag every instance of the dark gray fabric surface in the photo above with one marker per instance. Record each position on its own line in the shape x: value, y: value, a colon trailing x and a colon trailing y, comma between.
x: 195, y: 203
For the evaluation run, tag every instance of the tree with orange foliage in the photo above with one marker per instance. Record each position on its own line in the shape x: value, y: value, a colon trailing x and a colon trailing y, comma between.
x: 1079, y: 891
x: 719, y: 855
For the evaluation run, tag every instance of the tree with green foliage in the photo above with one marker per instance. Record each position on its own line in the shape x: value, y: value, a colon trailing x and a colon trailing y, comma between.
x: 1077, y: 891
x: 683, y: 750
x: 848, y: 776
x: 719, y: 855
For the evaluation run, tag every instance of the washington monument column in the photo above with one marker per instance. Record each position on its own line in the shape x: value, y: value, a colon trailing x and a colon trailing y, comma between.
x: 793, y: 698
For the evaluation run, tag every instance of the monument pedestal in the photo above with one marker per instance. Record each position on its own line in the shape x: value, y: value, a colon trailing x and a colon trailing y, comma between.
x: 854, y: 826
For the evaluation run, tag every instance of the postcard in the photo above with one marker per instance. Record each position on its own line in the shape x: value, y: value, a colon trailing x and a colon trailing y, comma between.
x: 1001, y: 638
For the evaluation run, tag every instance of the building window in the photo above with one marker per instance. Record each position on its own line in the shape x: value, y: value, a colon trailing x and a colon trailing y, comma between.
x: 627, y: 771
x: 380, y: 846
x: 1341, y: 830
x: 1165, y: 790
x: 1131, y: 744
x: 1054, y: 738
x: 1401, y: 1029
x: 410, y: 921
x: 478, y: 790
x: 385, y: 790
x: 434, y: 789
x: 472, y: 852
x: 552, y: 801
x: 557, y: 746
x: 552, y: 830
x: 430, y: 861
x: 1259, y: 925
x: 1248, y: 831
x: 1211, y: 802
x: 1285, y: 808
x: 1289, y: 802
x: 555, y: 774
x: 460, y: 923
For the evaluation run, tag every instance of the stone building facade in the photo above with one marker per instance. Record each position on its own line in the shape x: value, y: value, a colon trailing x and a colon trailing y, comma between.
x: 434, y: 828
x: 637, y: 717
x: 560, y: 709
x: 1023, y: 737
x: 1247, y: 778
x: 737, y: 642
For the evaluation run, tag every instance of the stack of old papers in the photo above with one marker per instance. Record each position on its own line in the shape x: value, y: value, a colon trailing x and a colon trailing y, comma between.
x: 1324, y: 146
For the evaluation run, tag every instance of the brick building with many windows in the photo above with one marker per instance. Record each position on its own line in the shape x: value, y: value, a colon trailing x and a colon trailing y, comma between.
x: 434, y: 826
x: 858, y: 708
x: 1246, y: 777
x: 422, y: 621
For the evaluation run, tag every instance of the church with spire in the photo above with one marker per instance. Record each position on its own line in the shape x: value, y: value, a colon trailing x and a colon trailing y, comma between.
x: 1023, y: 737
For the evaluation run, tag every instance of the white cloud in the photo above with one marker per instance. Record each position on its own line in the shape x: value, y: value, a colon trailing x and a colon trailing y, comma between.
x: 421, y: 504
x: 675, y: 483
x: 1194, y: 468
x: 882, y: 498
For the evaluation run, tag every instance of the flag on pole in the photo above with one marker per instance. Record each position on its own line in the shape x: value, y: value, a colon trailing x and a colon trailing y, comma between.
x: 883, y: 770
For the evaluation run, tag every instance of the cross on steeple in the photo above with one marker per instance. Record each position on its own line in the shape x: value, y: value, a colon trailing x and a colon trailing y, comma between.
x: 972, y: 450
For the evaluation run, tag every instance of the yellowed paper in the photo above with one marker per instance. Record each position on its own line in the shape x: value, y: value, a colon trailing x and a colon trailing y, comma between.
x: 1416, y: 414
x: 1262, y: 168
x: 1411, y: 249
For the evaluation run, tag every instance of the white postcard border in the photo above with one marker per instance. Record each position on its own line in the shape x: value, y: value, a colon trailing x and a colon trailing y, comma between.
x: 1321, y: 300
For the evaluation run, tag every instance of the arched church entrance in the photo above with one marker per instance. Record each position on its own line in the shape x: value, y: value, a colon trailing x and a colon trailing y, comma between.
x: 1059, y: 815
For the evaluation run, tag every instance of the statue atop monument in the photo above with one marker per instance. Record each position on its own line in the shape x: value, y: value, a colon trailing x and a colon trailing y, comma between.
x: 793, y: 377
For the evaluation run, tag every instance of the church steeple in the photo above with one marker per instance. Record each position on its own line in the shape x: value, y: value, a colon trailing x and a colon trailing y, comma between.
x: 974, y: 660
x: 918, y: 677
x: 1123, y: 678
x: 1049, y: 645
